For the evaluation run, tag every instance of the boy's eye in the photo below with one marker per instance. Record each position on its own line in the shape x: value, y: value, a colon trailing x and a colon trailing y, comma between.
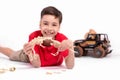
x: 54, y: 25
x: 45, y: 23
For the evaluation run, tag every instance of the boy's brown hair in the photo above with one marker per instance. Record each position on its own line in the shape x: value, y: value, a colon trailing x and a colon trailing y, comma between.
x: 50, y: 10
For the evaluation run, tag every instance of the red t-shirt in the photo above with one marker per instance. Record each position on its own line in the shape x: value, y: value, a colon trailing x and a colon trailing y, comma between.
x: 46, y: 58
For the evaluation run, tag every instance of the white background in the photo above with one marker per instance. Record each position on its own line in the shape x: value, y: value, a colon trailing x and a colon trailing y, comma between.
x: 18, y: 18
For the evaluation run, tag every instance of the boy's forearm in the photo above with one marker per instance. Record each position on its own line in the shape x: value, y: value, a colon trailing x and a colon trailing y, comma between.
x: 35, y: 63
x: 69, y: 60
x: 34, y: 60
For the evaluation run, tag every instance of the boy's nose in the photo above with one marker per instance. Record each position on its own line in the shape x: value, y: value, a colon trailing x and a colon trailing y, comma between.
x: 49, y: 27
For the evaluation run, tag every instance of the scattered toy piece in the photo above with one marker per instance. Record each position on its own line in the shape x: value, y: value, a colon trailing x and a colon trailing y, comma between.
x: 11, y: 69
x: 49, y: 73
x: 57, y: 72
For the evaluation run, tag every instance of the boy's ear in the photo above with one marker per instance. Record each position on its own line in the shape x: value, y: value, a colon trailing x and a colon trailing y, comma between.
x: 39, y: 24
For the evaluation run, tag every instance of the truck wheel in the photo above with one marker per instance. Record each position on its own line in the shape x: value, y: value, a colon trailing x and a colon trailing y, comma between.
x: 99, y: 52
x: 85, y: 53
x: 78, y: 51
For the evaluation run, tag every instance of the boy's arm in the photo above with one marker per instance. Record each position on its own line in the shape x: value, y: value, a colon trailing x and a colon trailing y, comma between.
x: 34, y: 59
x: 69, y: 60
x: 66, y: 44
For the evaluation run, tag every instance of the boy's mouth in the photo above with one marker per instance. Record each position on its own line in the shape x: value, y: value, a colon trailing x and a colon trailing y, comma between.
x: 49, y: 33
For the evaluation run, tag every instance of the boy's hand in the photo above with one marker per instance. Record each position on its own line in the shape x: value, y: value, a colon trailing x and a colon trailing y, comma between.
x: 66, y: 44
x: 27, y: 48
x: 33, y: 57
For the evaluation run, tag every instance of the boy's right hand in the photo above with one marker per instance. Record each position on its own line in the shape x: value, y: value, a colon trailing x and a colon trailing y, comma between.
x: 34, y: 58
x: 27, y: 48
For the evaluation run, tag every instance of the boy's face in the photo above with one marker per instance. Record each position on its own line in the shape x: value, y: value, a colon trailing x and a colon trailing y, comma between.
x: 49, y: 26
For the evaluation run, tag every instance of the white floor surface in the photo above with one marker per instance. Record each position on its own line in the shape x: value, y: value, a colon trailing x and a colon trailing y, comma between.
x: 86, y: 68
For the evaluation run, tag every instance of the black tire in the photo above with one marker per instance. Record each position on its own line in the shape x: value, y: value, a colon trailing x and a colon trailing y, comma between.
x: 99, y: 52
x: 78, y: 51
x: 85, y: 53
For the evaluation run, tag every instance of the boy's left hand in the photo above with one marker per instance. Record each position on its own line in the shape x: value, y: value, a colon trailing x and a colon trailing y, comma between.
x: 66, y: 44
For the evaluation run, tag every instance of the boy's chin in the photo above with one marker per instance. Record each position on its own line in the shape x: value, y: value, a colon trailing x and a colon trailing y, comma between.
x: 49, y: 36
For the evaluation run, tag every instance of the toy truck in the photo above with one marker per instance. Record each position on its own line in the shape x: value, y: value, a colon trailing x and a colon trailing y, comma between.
x: 95, y: 45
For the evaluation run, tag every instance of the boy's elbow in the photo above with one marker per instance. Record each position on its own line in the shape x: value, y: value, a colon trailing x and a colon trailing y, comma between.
x: 69, y: 66
x: 36, y: 66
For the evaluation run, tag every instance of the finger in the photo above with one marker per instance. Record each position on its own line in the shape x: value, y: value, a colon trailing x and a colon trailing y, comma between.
x: 60, y: 48
x: 28, y: 47
x: 28, y: 52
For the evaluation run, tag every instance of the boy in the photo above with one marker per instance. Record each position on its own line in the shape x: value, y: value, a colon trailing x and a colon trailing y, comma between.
x: 51, y: 19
